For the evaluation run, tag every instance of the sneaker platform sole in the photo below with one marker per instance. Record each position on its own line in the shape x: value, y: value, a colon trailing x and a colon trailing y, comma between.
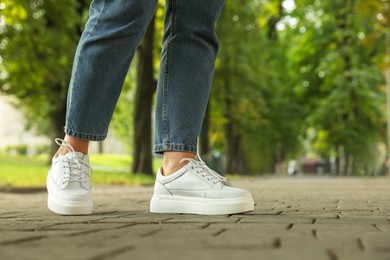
x: 201, y: 206
x: 69, y: 208
x: 62, y: 207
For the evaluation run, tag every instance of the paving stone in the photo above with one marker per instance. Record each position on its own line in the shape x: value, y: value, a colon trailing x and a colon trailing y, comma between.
x: 294, y: 218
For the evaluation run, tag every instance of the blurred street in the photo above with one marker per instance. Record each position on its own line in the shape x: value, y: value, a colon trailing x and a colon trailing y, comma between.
x: 294, y: 218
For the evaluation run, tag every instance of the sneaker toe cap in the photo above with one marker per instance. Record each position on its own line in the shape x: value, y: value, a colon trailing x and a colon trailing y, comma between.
x: 72, y: 194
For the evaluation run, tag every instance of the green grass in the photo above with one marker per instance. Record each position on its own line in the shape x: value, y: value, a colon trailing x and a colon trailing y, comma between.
x: 20, y: 171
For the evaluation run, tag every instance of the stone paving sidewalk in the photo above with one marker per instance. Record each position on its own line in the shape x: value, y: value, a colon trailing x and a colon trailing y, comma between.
x: 294, y: 218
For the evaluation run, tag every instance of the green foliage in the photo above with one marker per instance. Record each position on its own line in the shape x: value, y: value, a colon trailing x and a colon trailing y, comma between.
x: 122, y: 121
x: 336, y: 48
x: 38, y: 41
x: 251, y: 72
x: 286, y: 70
x: 20, y: 149
x: 41, y: 149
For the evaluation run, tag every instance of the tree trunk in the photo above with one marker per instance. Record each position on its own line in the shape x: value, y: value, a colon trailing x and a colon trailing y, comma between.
x: 57, y: 122
x: 350, y: 170
x: 235, y: 159
x: 101, y: 147
x: 278, y: 161
x: 204, y: 135
x: 273, y: 21
x: 345, y: 24
x: 57, y: 118
x: 146, y: 87
x: 342, y: 161
x: 272, y: 35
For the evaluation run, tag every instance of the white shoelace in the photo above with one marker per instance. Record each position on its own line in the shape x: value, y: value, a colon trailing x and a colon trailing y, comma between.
x: 77, y: 172
x: 205, y: 171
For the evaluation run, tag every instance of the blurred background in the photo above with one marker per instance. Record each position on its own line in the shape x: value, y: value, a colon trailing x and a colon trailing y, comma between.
x: 299, y: 89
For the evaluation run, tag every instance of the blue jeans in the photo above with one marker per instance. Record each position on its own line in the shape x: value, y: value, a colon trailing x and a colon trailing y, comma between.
x: 106, y: 48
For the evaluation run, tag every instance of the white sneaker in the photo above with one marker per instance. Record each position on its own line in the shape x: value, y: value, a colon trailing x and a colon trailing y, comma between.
x: 68, y: 183
x: 196, y: 189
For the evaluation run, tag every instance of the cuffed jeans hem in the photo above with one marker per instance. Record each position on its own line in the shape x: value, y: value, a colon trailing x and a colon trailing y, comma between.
x: 161, y: 148
x: 84, y: 136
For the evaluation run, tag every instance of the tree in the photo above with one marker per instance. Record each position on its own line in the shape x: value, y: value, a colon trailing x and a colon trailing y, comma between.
x: 252, y: 96
x: 233, y: 79
x: 336, y: 52
x: 146, y: 87
x: 38, y: 41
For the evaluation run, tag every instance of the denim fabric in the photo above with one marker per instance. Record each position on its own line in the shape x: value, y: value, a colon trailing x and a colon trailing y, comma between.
x: 106, y: 48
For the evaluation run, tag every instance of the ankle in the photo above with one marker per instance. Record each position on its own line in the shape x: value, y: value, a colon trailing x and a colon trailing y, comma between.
x: 171, y: 161
x: 62, y: 151
x: 78, y: 145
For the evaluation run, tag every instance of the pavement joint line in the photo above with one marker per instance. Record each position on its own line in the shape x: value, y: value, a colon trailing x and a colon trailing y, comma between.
x: 148, y: 234
x: 164, y: 220
x: 14, y: 216
x: 8, y: 213
x: 108, y: 212
x: 314, y: 232
x: 220, y: 232
x: 205, y: 226
x: 127, y: 225
x: 362, y: 244
x: 87, y: 222
x: 84, y: 232
x: 21, y: 240
x: 379, y: 228
x: 277, y: 243
x: 290, y: 226
x: 332, y: 254
x: 92, y: 230
x: 113, y: 253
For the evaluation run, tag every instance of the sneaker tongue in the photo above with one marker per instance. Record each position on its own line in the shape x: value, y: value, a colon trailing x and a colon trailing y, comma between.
x: 81, y: 155
x: 192, y: 163
x: 73, y: 185
x: 78, y: 155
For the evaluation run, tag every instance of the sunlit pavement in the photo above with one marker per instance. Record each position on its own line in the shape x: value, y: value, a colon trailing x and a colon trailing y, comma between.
x: 294, y: 218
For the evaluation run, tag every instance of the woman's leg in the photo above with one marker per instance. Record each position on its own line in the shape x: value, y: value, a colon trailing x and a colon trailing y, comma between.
x: 103, y: 56
x: 102, y: 59
x: 190, y: 46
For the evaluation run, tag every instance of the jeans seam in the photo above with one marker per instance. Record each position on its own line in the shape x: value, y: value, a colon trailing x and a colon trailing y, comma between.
x: 86, y: 133
x: 97, y: 19
x: 166, y: 71
x: 161, y: 147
